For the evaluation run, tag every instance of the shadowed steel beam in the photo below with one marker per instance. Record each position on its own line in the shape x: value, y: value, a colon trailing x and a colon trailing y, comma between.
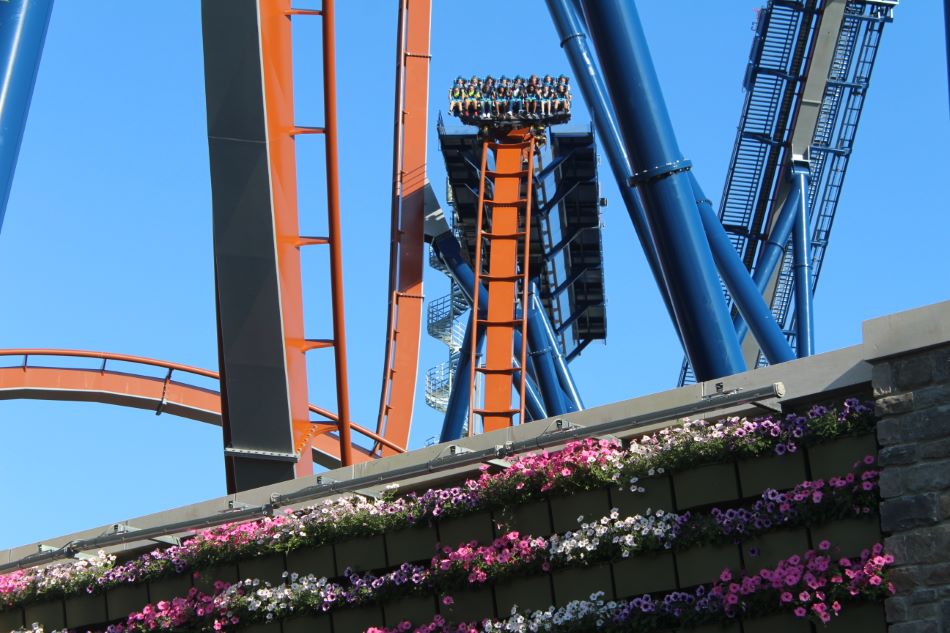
x: 540, y: 349
x: 698, y: 304
x: 456, y: 412
x: 745, y: 293
x: 23, y: 25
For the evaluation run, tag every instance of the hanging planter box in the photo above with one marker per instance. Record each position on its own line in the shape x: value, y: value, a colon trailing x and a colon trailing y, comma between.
x: 357, y: 618
x: 168, y: 588
x: 860, y: 618
x: 121, y: 601
x: 778, y: 623
x: 269, y: 568
x: 580, y: 582
x: 307, y: 624
x: 415, y: 609
x: 531, y: 519
x: 644, y: 573
x: 318, y: 561
x: 767, y: 550
x: 85, y: 610
x: 835, y: 458
x: 732, y: 627
x: 780, y: 472
x: 704, y: 485
x: 591, y: 504
x: 705, y: 564
x: 657, y: 495
x: 527, y: 592
x: 51, y: 614
x: 361, y: 554
x: 11, y: 619
x: 412, y: 544
x: 262, y: 627
x: 475, y: 527
x: 849, y: 536
x: 207, y: 577
x: 469, y: 606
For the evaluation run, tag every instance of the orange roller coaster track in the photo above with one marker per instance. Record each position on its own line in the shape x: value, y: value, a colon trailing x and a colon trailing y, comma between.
x: 174, y: 394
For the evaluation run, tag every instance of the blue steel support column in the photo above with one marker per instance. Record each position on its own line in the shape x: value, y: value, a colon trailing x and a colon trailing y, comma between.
x: 571, y: 394
x: 447, y: 248
x: 573, y: 36
x: 747, y: 296
x: 540, y: 349
x: 23, y: 25
x: 803, y: 308
x: 684, y: 255
x: 457, y: 410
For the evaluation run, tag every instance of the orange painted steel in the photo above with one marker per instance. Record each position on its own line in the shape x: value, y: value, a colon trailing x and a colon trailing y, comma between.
x: 162, y: 395
x: 507, y: 228
x: 410, y: 130
x: 277, y: 61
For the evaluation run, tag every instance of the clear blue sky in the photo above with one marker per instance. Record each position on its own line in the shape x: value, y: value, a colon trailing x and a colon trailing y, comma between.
x: 107, y: 238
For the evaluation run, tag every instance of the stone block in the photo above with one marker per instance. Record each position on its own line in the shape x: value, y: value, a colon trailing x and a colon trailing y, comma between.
x: 933, y: 396
x: 474, y: 527
x: 891, y: 482
x: 416, y: 609
x: 935, y: 449
x: 318, y: 561
x: 899, y: 455
x: 701, y: 565
x: 269, y: 568
x: 942, y: 365
x: 918, y: 626
x: 935, y: 575
x: 357, y: 619
x: 532, y: 519
x: 890, y: 431
x: 51, y: 614
x: 124, y: 599
x: 894, y: 405
x: 705, y: 485
x: 644, y: 573
x: 919, y: 546
x: 411, y: 544
x: 84, y: 610
x: 580, y: 582
x: 589, y: 504
x: 921, y: 596
x: 882, y: 380
x: 926, y: 477
x: 780, y: 472
x: 657, y: 495
x: 526, y: 593
x: 361, y: 554
x: 912, y: 372
x: 896, y: 608
x: 905, y: 513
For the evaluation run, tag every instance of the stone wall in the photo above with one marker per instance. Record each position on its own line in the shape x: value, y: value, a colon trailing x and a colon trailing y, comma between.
x: 912, y: 393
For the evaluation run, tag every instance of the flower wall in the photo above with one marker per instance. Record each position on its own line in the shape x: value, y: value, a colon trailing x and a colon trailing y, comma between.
x: 705, y: 523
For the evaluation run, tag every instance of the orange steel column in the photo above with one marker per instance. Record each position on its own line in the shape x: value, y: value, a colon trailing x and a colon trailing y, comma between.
x: 279, y: 112
x: 404, y: 322
x: 507, y: 228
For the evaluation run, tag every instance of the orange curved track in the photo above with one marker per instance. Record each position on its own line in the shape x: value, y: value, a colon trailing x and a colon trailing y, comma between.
x: 166, y: 394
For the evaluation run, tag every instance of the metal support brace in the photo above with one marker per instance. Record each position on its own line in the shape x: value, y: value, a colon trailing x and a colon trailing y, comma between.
x: 566, y: 380
x: 804, y: 318
x: 541, y: 350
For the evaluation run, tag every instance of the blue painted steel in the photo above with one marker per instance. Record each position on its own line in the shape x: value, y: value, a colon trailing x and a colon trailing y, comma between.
x: 541, y: 351
x: 449, y: 250
x: 568, y: 21
x: 23, y: 25
x: 566, y: 380
x: 699, y: 307
x: 804, y: 318
x: 946, y: 26
x: 747, y: 297
x: 456, y: 412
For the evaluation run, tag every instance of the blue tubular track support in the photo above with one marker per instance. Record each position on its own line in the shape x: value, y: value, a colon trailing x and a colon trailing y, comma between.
x: 457, y: 410
x: 747, y: 296
x: 23, y: 25
x: 541, y: 351
x: 568, y: 21
x: 571, y: 395
x: 447, y: 247
x: 772, y: 250
x: 699, y: 307
x: 804, y: 322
